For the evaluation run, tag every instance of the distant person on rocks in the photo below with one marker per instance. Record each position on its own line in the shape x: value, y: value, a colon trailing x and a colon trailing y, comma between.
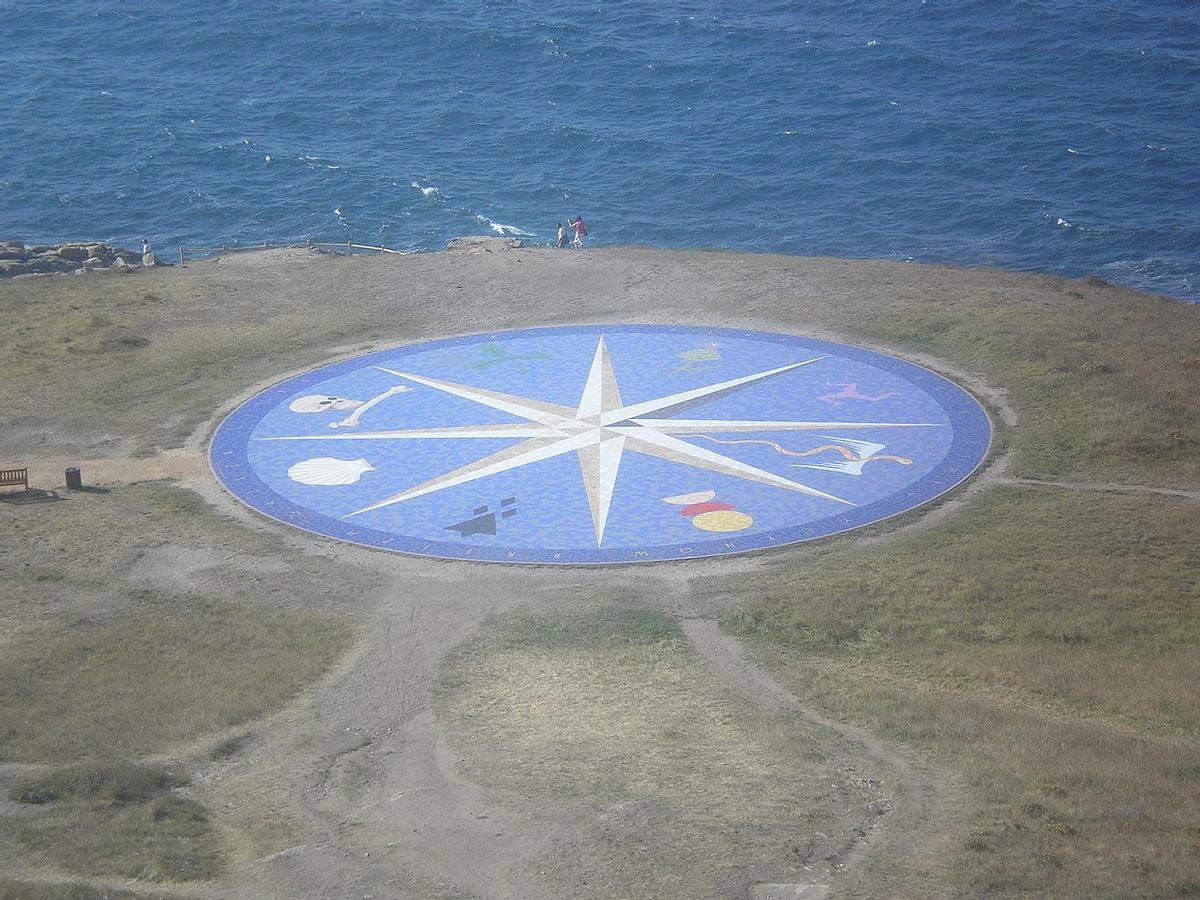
x: 562, y: 235
x: 580, y: 232
x: 148, y: 257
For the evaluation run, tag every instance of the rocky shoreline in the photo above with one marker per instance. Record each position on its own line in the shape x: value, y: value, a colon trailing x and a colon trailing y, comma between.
x: 76, y: 258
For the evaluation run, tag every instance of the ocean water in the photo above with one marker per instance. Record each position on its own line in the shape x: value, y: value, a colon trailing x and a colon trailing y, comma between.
x: 1056, y: 136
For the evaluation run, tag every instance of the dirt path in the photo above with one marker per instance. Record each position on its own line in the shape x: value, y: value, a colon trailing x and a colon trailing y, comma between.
x: 906, y: 813
x: 49, y: 474
x: 1104, y: 486
x: 365, y: 770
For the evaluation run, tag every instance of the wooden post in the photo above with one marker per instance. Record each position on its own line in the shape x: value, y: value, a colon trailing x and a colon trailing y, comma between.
x: 181, y: 262
x: 349, y: 248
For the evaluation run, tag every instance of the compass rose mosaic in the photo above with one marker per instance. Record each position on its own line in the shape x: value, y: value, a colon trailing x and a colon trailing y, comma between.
x: 600, y: 444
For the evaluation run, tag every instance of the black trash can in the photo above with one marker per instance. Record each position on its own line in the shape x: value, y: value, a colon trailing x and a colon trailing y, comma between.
x: 74, y: 479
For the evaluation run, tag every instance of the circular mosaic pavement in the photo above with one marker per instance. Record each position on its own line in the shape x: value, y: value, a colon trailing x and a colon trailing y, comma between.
x: 600, y: 444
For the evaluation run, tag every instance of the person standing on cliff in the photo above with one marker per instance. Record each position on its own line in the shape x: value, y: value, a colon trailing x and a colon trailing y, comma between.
x: 562, y: 235
x: 580, y: 232
x: 148, y: 257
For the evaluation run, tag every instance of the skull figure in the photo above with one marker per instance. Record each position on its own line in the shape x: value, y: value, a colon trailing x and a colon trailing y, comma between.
x: 315, y: 403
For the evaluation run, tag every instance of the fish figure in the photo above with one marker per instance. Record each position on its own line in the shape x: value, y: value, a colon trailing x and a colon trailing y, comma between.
x: 857, y: 454
x: 494, y: 354
x: 695, y: 359
x: 850, y: 391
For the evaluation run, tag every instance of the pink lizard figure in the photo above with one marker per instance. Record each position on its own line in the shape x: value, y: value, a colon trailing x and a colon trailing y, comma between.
x: 850, y: 392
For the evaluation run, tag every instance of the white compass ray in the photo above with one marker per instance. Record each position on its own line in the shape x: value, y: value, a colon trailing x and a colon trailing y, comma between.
x: 513, y: 457
x: 601, y: 394
x: 685, y: 399
x: 534, y: 410
x: 599, y: 431
x: 516, y: 430
x: 598, y: 464
x: 699, y: 426
x: 664, y: 446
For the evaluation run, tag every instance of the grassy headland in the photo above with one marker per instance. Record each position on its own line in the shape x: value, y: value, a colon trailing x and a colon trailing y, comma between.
x: 1037, y: 646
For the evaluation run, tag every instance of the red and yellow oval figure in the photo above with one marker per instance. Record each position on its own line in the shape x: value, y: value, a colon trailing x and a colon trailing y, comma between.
x: 722, y: 520
x: 697, y: 508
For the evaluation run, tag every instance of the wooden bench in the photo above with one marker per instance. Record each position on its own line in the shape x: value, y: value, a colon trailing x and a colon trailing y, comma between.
x: 15, y: 477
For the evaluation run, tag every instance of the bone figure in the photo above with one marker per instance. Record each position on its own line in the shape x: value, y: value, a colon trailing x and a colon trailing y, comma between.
x: 850, y: 392
x: 316, y: 403
x: 351, y: 420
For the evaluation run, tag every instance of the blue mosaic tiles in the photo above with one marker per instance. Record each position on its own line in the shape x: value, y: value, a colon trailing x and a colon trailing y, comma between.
x: 600, y: 444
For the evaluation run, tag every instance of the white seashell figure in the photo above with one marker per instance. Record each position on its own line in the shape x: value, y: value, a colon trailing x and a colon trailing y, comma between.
x: 329, y: 470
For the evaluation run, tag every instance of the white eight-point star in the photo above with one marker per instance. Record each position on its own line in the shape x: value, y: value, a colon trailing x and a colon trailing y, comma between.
x: 599, y: 431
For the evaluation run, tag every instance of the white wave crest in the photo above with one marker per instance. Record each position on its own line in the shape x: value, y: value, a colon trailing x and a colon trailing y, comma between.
x: 501, y: 228
x: 431, y: 191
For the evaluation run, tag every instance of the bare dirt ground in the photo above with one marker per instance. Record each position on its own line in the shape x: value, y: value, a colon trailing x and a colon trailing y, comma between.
x: 355, y: 789
x: 364, y: 768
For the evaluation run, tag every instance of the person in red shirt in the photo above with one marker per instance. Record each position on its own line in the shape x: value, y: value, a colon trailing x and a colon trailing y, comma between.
x: 580, y: 232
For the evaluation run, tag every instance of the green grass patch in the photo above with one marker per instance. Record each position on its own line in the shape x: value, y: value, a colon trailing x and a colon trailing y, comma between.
x: 116, y: 820
x: 164, y: 672
x: 1087, y: 598
x: 97, y: 661
x: 111, y: 783
x: 26, y: 890
x: 150, y: 356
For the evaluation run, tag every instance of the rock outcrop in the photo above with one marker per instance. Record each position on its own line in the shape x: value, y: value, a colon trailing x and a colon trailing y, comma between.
x: 482, y: 244
x: 78, y: 257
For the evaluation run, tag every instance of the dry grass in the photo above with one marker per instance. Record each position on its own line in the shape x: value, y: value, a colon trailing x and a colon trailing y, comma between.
x: 97, y: 663
x: 140, y: 361
x: 615, y: 710
x: 1045, y: 645
x: 106, y: 659
x: 1061, y: 806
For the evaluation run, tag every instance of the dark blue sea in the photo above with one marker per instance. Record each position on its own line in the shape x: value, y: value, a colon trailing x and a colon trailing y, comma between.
x: 1057, y: 136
